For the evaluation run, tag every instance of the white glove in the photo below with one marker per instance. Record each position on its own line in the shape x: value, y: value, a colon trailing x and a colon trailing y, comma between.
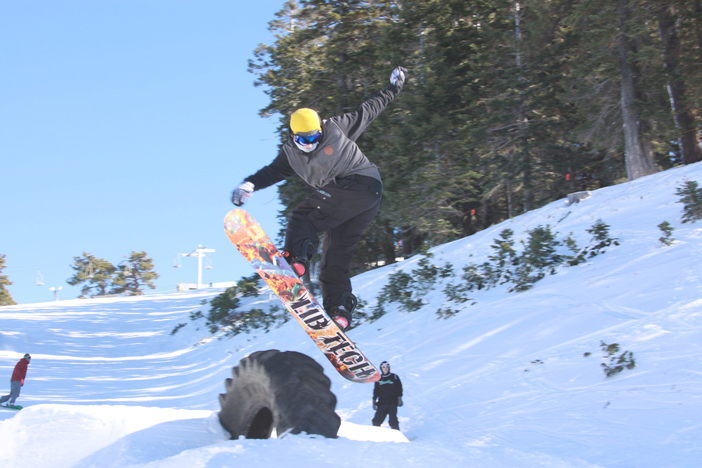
x: 397, y: 77
x: 242, y: 193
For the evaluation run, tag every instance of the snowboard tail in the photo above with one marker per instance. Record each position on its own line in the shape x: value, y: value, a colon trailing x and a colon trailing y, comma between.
x: 248, y: 237
x: 11, y: 407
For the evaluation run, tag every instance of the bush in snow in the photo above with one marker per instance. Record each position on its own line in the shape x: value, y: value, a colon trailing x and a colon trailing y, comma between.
x: 667, y: 230
x: 616, y: 361
x: 504, y: 259
x: 500, y: 269
x: 408, y: 289
x: 225, y: 317
x: 540, y: 257
x: 445, y: 313
x: 249, y: 286
x: 542, y: 254
x: 599, y: 243
x: 691, y: 197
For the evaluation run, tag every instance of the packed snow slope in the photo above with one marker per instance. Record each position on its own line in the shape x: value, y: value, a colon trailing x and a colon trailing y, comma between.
x: 510, y: 380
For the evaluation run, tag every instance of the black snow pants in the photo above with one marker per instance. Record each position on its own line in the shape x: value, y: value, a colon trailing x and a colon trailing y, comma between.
x: 342, y: 210
x: 382, y: 412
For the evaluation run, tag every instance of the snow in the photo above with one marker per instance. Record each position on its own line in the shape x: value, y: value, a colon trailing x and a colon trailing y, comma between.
x: 512, y: 380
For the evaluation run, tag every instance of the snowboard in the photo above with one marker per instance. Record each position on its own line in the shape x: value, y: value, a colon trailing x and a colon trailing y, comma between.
x: 11, y: 407
x: 251, y: 241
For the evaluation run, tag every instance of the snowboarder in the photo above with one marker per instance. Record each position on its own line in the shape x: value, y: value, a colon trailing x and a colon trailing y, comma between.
x: 348, y: 189
x: 387, y: 396
x: 17, y: 380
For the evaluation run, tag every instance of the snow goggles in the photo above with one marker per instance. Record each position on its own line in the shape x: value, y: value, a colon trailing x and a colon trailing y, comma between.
x: 307, y: 139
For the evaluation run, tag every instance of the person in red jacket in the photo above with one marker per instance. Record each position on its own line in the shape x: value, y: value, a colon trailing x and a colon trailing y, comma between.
x: 17, y: 380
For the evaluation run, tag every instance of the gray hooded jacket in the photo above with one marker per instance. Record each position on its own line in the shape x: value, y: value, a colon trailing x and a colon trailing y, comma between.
x: 336, y: 156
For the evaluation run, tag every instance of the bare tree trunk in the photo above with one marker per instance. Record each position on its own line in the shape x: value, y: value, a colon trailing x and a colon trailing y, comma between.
x: 697, y: 9
x: 684, y: 121
x: 638, y: 156
x: 508, y: 196
x: 522, y: 121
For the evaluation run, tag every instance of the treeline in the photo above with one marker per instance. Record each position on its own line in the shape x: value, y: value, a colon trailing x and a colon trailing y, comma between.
x: 508, y: 104
x: 99, y: 277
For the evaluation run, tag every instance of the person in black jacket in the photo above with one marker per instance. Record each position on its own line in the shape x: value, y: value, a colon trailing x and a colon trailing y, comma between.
x: 387, y: 396
x: 348, y: 189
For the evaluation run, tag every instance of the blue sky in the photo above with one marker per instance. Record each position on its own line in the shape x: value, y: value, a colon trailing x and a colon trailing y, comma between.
x: 124, y: 126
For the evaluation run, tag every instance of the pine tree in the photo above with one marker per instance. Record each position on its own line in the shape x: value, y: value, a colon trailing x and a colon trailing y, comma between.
x: 95, y: 274
x: 691, y: 197
x: 133, y: 274
x: 539, y: 258
x: 599, y: 243
x: 223, y: 310
x: 249, y: 286
x: 667, y: 233
x: 5, y: 296
x: 504, y: 258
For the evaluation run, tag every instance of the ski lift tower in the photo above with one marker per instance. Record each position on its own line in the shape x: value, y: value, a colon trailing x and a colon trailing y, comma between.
x: 200, y: 253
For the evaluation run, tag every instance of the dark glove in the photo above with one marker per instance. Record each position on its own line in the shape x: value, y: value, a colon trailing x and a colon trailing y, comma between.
x: 242, y: 193
x: 375, y: 405
x: 397, y: 77
x: 399, y: 401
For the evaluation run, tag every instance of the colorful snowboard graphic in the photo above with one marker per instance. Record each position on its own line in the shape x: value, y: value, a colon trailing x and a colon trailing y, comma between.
x: 253, y: 243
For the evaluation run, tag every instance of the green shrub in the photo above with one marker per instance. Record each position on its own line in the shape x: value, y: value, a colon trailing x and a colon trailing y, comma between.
x: 691, y: 197
x: 249, y: 286
x: 667, y: 230
x: 408, y: 289
x: 539, y: 258
x: 616, y: 361
x: 225, y: 317
x: 599, y: 243
x: 504, y: 260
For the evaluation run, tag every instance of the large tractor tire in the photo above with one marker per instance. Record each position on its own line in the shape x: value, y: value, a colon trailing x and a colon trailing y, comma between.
x: 286, y: 391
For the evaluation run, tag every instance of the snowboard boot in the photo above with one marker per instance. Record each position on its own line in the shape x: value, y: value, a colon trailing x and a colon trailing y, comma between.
x: 299, y: 265
x: 342, y: 314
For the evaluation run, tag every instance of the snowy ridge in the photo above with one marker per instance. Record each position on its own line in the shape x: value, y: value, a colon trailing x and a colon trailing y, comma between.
x: 513, y: 380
